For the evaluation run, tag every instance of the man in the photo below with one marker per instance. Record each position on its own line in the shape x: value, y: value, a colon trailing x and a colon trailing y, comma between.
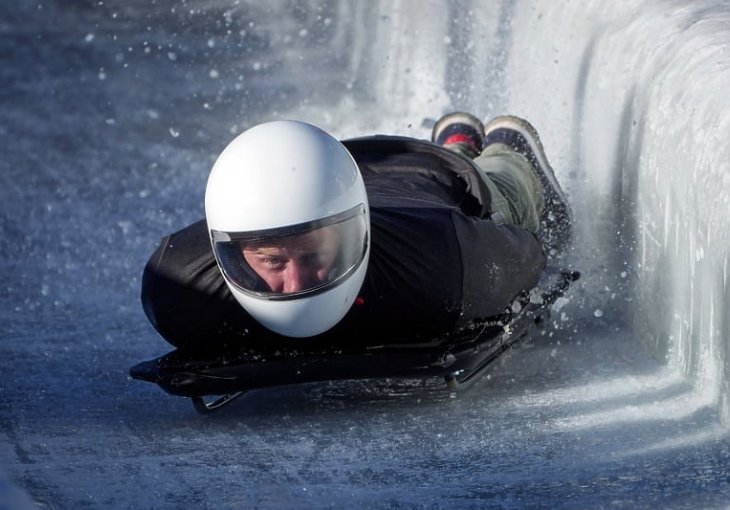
x: 294, y: 263
x: 385, y: 239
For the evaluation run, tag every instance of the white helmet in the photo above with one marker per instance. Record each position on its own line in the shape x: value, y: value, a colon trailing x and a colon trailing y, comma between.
x: 288, y: 218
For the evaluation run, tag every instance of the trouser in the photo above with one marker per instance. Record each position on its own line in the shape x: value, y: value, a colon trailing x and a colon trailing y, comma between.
x: 517, y: 195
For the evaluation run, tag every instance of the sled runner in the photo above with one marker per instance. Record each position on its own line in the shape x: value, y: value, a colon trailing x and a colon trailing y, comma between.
x: 459, y: 358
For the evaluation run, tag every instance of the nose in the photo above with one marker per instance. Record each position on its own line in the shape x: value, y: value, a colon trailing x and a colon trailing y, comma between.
x: 297, y: 277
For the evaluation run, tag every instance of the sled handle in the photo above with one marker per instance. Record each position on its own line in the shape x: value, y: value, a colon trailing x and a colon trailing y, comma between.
x: 204, y: 407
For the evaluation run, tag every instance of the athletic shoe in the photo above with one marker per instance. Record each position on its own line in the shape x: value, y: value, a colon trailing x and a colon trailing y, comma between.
x: 521, y: 136
x: 461, y: 132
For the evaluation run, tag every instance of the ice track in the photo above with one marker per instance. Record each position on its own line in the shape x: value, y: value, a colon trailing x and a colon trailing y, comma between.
x: 112, y: 113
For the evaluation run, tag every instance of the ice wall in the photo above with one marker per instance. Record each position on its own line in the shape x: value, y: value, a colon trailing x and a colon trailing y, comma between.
x: 632, y: 100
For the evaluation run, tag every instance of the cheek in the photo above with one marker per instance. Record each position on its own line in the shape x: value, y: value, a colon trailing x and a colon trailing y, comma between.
x: 322, y: 273
x: 274, y: 280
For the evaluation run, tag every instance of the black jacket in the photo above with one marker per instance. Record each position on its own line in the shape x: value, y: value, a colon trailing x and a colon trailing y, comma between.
x: 437, y: 262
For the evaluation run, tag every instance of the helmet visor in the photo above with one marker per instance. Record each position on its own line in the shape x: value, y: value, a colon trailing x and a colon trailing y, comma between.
x: 293, y: 261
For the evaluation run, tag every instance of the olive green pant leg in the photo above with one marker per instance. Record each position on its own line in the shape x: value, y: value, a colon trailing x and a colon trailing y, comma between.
x: 516, y: 191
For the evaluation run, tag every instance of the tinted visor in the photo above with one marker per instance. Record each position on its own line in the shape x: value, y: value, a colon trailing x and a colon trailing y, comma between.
x: 292, y: 261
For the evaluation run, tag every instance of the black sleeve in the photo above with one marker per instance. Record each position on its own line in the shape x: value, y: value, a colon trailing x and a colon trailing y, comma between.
x: 185, y: 297
x: 499, y: 262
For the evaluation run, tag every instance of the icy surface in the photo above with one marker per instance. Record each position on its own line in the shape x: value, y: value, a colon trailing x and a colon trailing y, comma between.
x: 112, y: 115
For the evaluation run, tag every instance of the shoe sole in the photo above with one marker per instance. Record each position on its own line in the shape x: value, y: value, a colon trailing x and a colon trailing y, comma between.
x: 454, y: 118
x: 555, y: 211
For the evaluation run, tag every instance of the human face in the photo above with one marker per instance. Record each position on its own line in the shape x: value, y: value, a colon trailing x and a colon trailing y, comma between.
x: 296, y: 263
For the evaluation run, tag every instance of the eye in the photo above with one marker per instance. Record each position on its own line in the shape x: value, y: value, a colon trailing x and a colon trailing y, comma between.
x: 274, y: 262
